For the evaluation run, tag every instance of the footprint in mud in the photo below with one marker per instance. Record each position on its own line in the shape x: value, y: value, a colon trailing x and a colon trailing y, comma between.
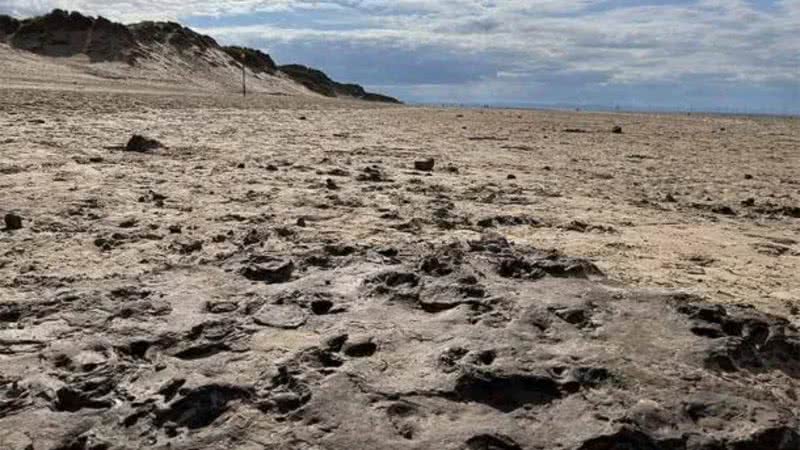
x: 744, y: 339
x: 200, y: 407
x: 491, y: 442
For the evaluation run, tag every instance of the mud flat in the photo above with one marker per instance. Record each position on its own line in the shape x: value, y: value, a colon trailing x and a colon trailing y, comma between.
x: 295, y: 272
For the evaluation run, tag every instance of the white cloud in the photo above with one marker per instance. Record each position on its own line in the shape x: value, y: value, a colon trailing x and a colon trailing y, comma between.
x: 721, y: 41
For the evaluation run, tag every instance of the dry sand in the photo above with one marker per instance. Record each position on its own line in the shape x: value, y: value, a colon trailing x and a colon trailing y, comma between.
x: 128, y: 317
x: 618, y: 183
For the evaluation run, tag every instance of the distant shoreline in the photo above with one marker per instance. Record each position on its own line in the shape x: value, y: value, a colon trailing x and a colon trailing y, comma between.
x: 605, y: 109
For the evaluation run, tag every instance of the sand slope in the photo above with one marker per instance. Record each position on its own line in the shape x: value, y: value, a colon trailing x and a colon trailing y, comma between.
x: 163, y: 71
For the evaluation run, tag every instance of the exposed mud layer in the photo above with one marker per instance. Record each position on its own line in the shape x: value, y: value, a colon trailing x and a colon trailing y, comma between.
x: 555, y: 360
x: 302, y: 285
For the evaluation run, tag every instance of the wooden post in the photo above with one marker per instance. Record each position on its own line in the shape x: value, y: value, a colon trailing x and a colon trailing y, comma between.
x: 244, y: 78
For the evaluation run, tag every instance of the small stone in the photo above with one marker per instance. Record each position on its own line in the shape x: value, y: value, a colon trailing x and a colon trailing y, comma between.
x: 13, y: 221
x: 128, y: 223
x: 749, y: 202
x: 175, y: 229
x: 511, y: 176
x: 303, y: 118
x: 321, y: 307
x: 670, y: 198
x: 747, y: 176
x: 617, y: 129
x: 271, y: 168
x: 221, y: 307
x: 241, y: 166
x: 272, y: 273
x: 330, y: 184
x: 138, y: 143
x: 301, y: 222
x: 425, y: 165
x: 335, y: 343
x: 287, y: 401
x: 360, y: 348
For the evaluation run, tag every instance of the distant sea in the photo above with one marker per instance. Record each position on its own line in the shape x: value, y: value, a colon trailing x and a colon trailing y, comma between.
x: 614, y: 108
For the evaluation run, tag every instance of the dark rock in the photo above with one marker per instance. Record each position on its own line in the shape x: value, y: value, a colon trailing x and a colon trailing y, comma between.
x: 360, y: 348
x: 321, y: 306
x: 372, y: 174
x: 279, y: 271
x: 511, y: 176
x: 336, y: 342
x: 128, y: 223
x: 507, y: 221
x: 723, y: 210
x: 13, y: 221
x: 220, y: 307
x: 425, y: 165
x: 189, y: 247
x: 491, y: 442
x: 138, y: 143
x: 617, y: 129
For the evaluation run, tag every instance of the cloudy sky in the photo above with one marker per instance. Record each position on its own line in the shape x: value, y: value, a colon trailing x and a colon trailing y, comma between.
x: 737, y: 55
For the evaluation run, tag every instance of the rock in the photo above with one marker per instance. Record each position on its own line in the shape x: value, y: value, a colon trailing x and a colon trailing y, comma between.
x: 331, y: 185
x: 425, y: 165
x: 301, y: 222
x: 491, y: 442
x: 747, y: 176
x: 335, y: 343
x: 321, y: 306
x: 139, y: 143
x: 511, y: 176
x: 360, y: 348
x: 288, y: 317
x: 189, y: 247
x: 221, y: 307
x: 617, y: 129
x: 13, y: 221
x: 128, y: 223
x: 279, y: 271
x: 723, y: 210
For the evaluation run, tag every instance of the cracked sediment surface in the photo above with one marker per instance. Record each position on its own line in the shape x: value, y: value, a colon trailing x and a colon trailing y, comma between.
x: 278, y: 275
